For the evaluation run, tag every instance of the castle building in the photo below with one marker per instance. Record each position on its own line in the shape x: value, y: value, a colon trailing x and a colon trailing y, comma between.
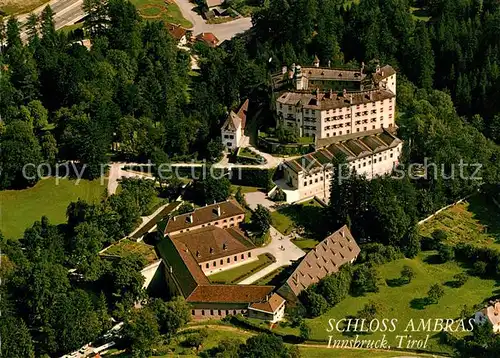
x: 206, y: 241
x: 372, y: 153
x: 330, y: 102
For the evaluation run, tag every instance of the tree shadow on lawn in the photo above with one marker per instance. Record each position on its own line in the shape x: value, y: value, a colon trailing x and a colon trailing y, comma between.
x: 312, y: 218
x: 420, y: 303
x: 396, y: 282
x: 488, y: 214
x: 433, y: 259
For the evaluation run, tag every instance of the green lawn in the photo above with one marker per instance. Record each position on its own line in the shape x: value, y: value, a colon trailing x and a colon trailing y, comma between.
x: 305, y: 244
x: 476, y: 221
x: 244, y: 189
x: 270, y: 278
x: 404, y: 302
x: 306, y: 215
x: 20, y: 208
x: 158, y: 10
x: 126, y: 248
x: 239, y: 273
x: 15, y: 7
x: 314, y: 352
x: 69, y: 28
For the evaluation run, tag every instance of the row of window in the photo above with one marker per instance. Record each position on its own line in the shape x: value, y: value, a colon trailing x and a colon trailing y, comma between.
x: 217, y: 223
x: 228, y: 136
x: 218, y: 312
x: 221, y: 262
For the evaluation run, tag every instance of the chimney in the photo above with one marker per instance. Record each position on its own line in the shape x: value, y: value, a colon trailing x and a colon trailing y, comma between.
x: 342, y: 233
x: 197, y: 254
x: 217, y: 209
x: 211, y: 250
x: 382, y: 73
x: 224, y: 246
x: 190, y: 218
x: 174, y: 218
x: 362, y: 67
x: 344, y: 92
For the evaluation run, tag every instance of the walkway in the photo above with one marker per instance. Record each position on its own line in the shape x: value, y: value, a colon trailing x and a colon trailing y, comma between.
x: 116, y: 173
x: 223, y: 31
x: 286, y: 257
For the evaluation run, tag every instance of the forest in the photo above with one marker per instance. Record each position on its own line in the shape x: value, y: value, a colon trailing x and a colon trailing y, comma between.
x: 61, y: 102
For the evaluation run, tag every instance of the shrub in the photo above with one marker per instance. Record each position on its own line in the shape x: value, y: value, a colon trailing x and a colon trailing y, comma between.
x: 445, y: 252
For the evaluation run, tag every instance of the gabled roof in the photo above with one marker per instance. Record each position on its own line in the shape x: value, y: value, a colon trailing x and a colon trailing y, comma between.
x: 212, y: 242
x: 232, y: 123
x: 230, y: 294
x: 204, y: 215
x: 237, y: 120
x: 212, y: 3
x: 209, y: 38
x: 326, y: 258
x: 353, y: 146
x: 177, y: 31
x: 270, y: 306
x: 242, y: 113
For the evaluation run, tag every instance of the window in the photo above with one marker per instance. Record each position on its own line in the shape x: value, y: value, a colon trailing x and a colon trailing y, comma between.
x: 364, y: 164
x: 316, y: 180
x: 214, y: 264
x: 364, y: 128
x: 192, y: 312
x: 222, y: 262
x: 348, y: 131
x: 236, y: 258
x: 202, y: 312
x: 211, y: 312
x: 207, y: 265
x: 373, y: 127
x: 249, y: 254
x: 228, y: 260
x: 340, y: 132
x: 390, y: 115
x: 305, y: 183
x: 242, y: 256
x: 392, y: 155
x: 201, y: 266
x: 390, y: 108
x: 229, y: 144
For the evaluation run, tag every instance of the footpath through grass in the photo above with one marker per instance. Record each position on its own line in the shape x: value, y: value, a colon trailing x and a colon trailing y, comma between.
x: 239, y: 273
x: 20, y: 208
x: 156, y: 10
x: 407, y: 302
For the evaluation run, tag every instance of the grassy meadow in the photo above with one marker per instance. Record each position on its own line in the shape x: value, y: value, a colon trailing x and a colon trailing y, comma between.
x: 20, y: 208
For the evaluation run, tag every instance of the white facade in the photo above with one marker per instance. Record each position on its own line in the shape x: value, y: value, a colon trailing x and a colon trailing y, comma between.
x: 231, y: 138
x: 307, y: 179
x: 333, y: 122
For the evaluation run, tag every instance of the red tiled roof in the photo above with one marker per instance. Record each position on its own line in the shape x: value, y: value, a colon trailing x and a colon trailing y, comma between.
x: 204, y: 215
x: 177, y: 31
x: 212, y: 242
x: 269, y: 306
x: 230, y: 294
x: 208, y: 38
x: 242, y: 113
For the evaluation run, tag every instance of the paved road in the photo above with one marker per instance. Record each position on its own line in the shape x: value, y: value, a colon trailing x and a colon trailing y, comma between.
x: 284, y: 257
x: 66, y: 12
x: 223, y: 31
